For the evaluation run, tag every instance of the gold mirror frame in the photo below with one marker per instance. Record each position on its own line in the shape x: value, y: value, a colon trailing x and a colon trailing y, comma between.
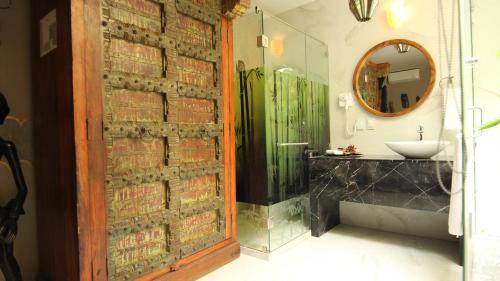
x: 370, y: 52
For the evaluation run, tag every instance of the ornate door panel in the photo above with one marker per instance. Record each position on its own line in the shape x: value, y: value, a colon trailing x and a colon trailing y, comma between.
x: 164, y: 132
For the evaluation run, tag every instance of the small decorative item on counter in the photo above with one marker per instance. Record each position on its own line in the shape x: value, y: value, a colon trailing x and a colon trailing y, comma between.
x: 350, y: 149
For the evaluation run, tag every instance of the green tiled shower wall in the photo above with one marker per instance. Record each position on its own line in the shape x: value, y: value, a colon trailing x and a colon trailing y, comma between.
x: 274, y: 107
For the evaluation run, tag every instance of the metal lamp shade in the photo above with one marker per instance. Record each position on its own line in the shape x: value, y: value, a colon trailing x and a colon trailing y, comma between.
x: 402, y: 48
x: 363, y: 9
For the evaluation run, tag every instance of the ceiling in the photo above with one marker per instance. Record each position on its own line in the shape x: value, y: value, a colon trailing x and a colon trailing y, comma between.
x: 276, y: 7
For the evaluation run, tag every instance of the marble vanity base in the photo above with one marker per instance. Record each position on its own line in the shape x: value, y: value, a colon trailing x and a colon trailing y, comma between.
x: 389, y: 181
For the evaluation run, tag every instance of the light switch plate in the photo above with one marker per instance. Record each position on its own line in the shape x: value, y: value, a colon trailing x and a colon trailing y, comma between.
x: 48, y: 33
x: 360, y: 125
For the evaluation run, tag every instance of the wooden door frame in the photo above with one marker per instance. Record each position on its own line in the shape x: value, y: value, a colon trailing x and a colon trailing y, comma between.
x: 90, y: 147
x: 90, y: 154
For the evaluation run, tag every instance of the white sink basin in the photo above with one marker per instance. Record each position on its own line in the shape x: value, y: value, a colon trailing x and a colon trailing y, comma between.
x: 417, y: 149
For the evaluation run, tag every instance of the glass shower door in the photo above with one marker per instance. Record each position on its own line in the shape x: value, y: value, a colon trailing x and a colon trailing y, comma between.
x: 281, y: 110
x: 480, y: 45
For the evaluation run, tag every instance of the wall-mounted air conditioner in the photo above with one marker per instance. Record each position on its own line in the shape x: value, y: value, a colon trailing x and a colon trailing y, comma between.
x: 409, y: 75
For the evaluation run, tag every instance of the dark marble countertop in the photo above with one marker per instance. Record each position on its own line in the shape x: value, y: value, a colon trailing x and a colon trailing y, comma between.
x: 376, y: 158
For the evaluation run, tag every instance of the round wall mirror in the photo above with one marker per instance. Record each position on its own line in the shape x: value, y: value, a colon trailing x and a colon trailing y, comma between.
x: 394, y: 77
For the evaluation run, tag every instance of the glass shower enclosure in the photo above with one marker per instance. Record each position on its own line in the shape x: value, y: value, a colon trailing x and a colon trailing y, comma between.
x: 281, y: 108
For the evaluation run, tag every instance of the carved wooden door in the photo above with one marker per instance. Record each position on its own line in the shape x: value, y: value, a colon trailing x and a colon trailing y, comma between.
x: 163, y: 127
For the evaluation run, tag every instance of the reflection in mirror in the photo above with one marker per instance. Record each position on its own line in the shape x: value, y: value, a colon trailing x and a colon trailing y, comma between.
x: 394, y: 78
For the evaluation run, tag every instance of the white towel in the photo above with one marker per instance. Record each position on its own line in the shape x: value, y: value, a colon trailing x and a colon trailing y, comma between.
x: 453, y: 123
x: 455, y: 223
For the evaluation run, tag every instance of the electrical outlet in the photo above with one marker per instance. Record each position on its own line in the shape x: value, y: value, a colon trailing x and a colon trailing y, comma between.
x: 370, y: 124
x: 345, y: 99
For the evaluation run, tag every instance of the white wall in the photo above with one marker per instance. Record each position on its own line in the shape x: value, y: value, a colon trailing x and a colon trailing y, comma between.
x: 15, y: 84
x: 332, y: 22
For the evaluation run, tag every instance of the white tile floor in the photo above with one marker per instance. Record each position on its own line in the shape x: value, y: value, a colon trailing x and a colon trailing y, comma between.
x: 349, y: 253
x: 486, y: 258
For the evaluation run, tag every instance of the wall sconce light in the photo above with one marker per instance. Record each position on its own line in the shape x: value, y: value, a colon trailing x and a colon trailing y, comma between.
x: 277, y: 47
x: 397, y: 14
x: 363, y: 9
x: 402, y: 48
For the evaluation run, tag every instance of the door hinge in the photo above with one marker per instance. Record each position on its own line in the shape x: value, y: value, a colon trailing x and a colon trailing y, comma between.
x: 477, y: 129
x: 472, y: 61
x: 231, y: 225
x: 269, y: 223
x: 262, y: 41
x: 87, y: 127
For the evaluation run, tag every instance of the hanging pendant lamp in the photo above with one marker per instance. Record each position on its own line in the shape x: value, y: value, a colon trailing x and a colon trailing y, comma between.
x: 363, y: 9
x: 402, y: 48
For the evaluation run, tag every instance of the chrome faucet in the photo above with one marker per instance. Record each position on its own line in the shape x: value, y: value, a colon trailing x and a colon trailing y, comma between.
x: 421, y: 132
